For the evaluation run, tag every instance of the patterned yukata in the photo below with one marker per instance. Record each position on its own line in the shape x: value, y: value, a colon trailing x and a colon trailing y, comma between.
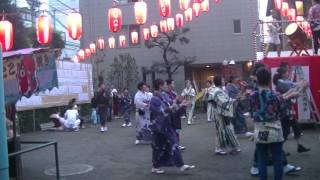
x: 165, y: 143
x: 125, y: 104
x: 223, y: 111
x: 141, y: 100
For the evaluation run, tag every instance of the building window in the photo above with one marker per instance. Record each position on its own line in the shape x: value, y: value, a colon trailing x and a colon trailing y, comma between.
x: 126, y: 30
x: 236, y: 26
x: 127, y: 1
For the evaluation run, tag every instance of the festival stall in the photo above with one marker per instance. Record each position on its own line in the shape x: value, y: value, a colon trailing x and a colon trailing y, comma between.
x: 307, y: 68
x: 25, y: 72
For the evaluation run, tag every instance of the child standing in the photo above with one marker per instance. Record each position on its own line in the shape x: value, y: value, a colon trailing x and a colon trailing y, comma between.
x: 125, y: 105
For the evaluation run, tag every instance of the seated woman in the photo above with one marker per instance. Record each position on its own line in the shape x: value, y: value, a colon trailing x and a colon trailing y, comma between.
x: 72, y: 120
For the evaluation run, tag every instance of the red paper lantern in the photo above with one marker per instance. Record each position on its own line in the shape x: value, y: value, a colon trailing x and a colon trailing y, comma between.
x: 164, y: 7
x: 184, y: 4
x: 134, y: 37
x: 196, y: 7
x: 170, y: 24
x: 284, y: 9
x: 74, y: 25
x: 198, y: 1
x: 146, y: 34
x: 6, y: 35
x: 92, y: 47
x: 188, y: 14
x: 122, y: 41
x: 112, y: 42
x: 277, y: 4
x: 205, y: 5
x: 115, y: 19
x: 87, y: 52
x: 100, y: 43
x: 163, y: 26
x: 44, y: 29
x: 140, y: 12
x: 292, y: 14
x: 154, y: 31
x: 81, y: 55
x: 179, y: 20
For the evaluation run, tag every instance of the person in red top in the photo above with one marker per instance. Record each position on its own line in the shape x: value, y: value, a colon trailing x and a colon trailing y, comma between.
x: 314, y: 18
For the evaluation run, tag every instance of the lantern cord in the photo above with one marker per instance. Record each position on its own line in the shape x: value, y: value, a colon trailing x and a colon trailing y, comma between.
x: 64, y: 4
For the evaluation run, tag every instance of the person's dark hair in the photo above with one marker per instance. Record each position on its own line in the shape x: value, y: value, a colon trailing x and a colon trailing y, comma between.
x: 169, y: 81
x: 231, y: 78
x: 284, y: 65
x: 279, y: 74
x: 140, y: 85
x: 157, y: 84
x: 125, y: 89
x: 263, y: 77
x: 256, y: 67
x: 317, y: 1
x: 217, y: 80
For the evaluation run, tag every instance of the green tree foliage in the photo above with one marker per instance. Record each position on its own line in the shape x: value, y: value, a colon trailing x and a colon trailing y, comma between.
x: 24, y: 37
x: 20, y: 40
x: 171, y: 62
x: 124, y: 72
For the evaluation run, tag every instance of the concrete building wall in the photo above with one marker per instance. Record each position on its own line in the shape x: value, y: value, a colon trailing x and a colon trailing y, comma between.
x: 212, y: 37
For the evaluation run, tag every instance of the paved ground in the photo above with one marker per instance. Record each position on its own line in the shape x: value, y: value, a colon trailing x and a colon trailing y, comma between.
x: 114, y: 156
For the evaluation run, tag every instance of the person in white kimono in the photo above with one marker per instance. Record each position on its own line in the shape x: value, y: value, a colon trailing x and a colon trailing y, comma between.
x: 142, y: 103
x: 189, y: 94
x: 71, y: 119
x: 209, y: 109
x: 223, y: 112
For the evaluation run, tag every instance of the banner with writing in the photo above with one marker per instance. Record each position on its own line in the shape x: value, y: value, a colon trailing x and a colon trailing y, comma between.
x: 29, y: 74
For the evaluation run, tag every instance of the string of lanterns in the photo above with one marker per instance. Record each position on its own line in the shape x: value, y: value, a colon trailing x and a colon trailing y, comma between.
x: 294, y: 14
x: 168, y: 23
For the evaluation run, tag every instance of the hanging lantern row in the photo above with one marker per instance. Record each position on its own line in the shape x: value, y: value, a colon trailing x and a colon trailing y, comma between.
x: 112, y: 42
x: 6, y: 35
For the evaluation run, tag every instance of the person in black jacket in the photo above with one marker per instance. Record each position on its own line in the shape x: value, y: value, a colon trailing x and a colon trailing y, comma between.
x: 103, y: 98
